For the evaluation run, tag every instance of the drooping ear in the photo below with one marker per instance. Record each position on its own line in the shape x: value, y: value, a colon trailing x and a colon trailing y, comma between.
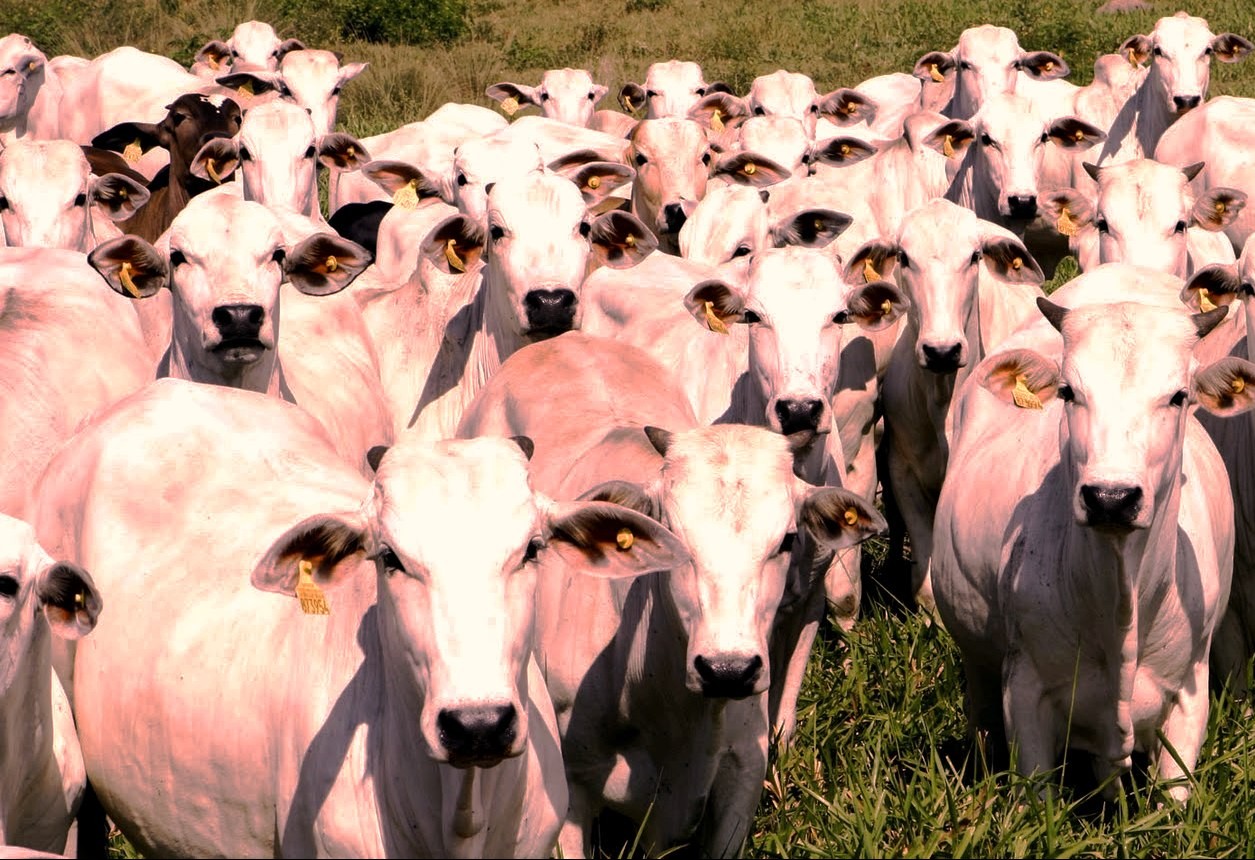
x: 286, y: 47
x: 1226, y: 387
x: 407, y: 183
x: 629, y: 494
x: 1211, y: 287
x: 213, y: 53
x: 1136, y: 49
x: 632, y: 97
x: 596, y: 179
x: 340, y: 151
x: 1216, y: 208
x: 1052, y: 312
x: 130, y: 266
x: 809, y: 228
x: 375, y: 456
x: 526, y: 445
x: 1066, y: 208
x: 455, y: 245
x: 875, y: 260
x: 838, y: 518
x: 1230, y: 47
x: 620, y: 240
x: 876, y: 306
x: 333, y: 544
x: 252, y: 83
x: 1043, y: 65
x: 132, y: 139
x: 715, y: 304
x: 216, y: 160
x: 750, y: 168
x: 935, y: 66
x: 1022, y: 377
x: 951, y: 138
x: 845, y: 106
x: 120, y: 195
x: 608, y: 540
x: 324, y: 264
x: 1071, y: 132
x: 1206, y: 321
x: 1007, y: 259
x: 718, y: 111
x: 660, y: 439
x: 512, y: 96
x: 841, y: 151
x: 70, y: 600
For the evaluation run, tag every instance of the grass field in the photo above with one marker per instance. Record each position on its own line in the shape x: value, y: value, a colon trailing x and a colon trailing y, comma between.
x: 879, y: 767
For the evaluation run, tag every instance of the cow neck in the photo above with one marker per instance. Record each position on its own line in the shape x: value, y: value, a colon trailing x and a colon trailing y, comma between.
x: 26, y: 726
x: 1151, y: 115
x: 263, y: 376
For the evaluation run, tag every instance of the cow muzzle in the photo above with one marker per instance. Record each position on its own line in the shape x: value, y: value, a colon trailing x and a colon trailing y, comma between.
x: 239, y: 331
x: 728, y: 676
x: 1022, y: 206
x: 549, y: 312
x: 673, y: 217
x: 1112, y: 506
x: 794, y: 415
x: 1185, y: 104
x: 942, y: 357
x: 480, y: 736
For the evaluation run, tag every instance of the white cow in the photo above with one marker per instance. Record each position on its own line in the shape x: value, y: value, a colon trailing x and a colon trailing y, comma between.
x: 311, y: 78
x: 671, y: 88
x: 793, y: 94
x: 642, y: 686
x: 409, y: 721
x: 30, y: 92
x: 1120, y: 478
x: 1145, y: 213
x: 1218, y: 134
x: 567, y: 95
x: 253, y: 46
x: 42, y: 779
x: 672, y: 159
x: 970, y: 284
x: 1180, y: 49
x: 50, y: 198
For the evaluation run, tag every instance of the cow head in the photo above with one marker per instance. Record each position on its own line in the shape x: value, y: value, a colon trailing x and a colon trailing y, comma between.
x: 1181, y: 48
x: 567, y: 95
x: 22, y: 69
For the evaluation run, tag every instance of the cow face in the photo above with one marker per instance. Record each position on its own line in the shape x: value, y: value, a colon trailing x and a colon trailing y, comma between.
x: 566, y: 95
x: 671, y: 88
x: 1181, y: 49
x: 672, y: 159
x: 22, y: 68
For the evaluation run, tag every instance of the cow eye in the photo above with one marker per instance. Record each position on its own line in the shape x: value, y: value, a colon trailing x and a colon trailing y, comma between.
x: 279, y: 256
x: 1101, y: 225
x: 706, y: 159
x: 544, y: 97
x: 749, y: 317
x: 841, y: 317
x: 4, y: 203
x: 80, y: 200
x: 758, y: 111
x: 496, y: 232
x: 1179, y: 398
x: 177, y: 258
x: 8, y: 586
x: 244, y: 154
x: 650, y: 94
x: 309, y: 153
x: 1066, y: 394
x: 335, y: 91
x: 814, y: 108
x: 1180, y: 228
x: 640, y: 160
x: 534, y: 546
x: 1207, y: 52
x: 741, y: 251
x: 585, y: 229
x: 965, y: 65
x: 903, y: 261
x: 389, y: 560
x: 235, y: 54
x: 284, y: 91
x: 986, y: 140
x: 786, y: 545
x: 976, y: 257
x: 1158, y: 51
x: 1045, y: 136
x: 461, y: 180
x: 701, y: 91
x: 592, y: 96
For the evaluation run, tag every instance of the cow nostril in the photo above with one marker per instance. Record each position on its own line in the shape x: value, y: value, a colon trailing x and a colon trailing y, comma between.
x: 673, y: 213
x: 798, y: 415
x: 1022, y: 206
x: 728, y: 677
x: 237, y: 321
x: 1111, y: 505
x: 550, y: 310
x: 942, y: 359
x: 477, y: 736
x: 1186, y: 102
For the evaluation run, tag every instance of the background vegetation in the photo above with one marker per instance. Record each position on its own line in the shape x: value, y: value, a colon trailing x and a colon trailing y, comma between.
x: 881, y: 766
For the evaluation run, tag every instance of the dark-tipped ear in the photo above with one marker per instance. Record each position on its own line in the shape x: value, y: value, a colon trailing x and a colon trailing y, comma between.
x: 1021, y: 377
x: 846, y: 106
x: 1226, y: 387
x: 597, y: 179
x: 951, y: 138
x: 877, y: 305
x: 1206, y: 321
x: 715, y: 304
x: 750, y: 168
x: 1007, y: 259
x: 1212, y: 286
x: 212, y: 53
x: 608, y: 540
x: 120, y: 195
x: 873, y: 261
x: 406, y: 183
x: 1073, y: 133
x: 1136, y: 49
x: 216, y: 160
x: 626, y: 493
x: 1230, y: 47
x: 70, y: 599
x: 132, y: 139
x: 324, y: 263
x: 1217, y: 208
x: 289, y: 45
x: 838, y: 518
x: 1067, y: 209
x: 512, y: 96
x: 526, y: 445
x: 323, y: 542
x: 1044, y: 65
x: 842, y: 151
x: 1052, y: 312
x: 810, y: 228
x: 455, y: 245
x: 935, y: 66
x: 620, y: 240
x: 375, y: 456
x: 632, y: 97
x: 250, y: 83
x: 660, y: 439
x: 342, y: 151
x: 130, y: 266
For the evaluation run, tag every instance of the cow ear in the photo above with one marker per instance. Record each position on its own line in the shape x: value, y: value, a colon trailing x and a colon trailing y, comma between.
x: 213, y: 53
x: 838, y: 518
x: 512, y: 96
x: 252, y: 83
x: 216, y: 160
x: 1230, y: 47
x: 842, y: 151
x: 455, y: 245
x: 750, y: 168
x: 951, y: 138
x: 629, y: 494
x: 1226, y: 387
x: 1054, y: 314
x: 1212, y: 287
x: 120, y: 195
x: 632, y: 97
x: 609, y: 540
x: 1043, y: 65
x: 130, y: 266
x: 340, y: 151
x: 875, y: 306
x: 286, y: 47
x: 327, y: 546
x: 596, y: 179
x: 934, y: 67
x: 131, y: 139
x: 349, y: 72
x: 1070, y: 132
x: 1216, y: 208
x: 1067, y: 209
x: 845, y: 106
x: 719, y: 110
x: 1021, y: 377
x: 324, y: 264
x: 406, y: 183
x: 1007, y: 259
x: 620, y: 240
x: 810, y: 228
x: 875, y: 260
x: 70, y: 600
x: 715, y: 305
x: 374, y: 456
x: 1136, y: 49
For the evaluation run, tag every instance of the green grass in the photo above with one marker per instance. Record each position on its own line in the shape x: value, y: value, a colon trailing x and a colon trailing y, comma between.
x: 878, y: 767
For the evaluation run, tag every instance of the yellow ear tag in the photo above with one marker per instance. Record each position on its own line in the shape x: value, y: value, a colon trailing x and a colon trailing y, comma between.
x: 625, y: 539
x: 750, y: 169
x: 80, y: 599
x: 869, y: 271
x: 212, y: 170
x: 1220, y: 207
x: 947, y: 148
x: 1078, y: 135
x: 934, y: 74
x: 629, y: 240
x: 716, y: 121
x: 406, y: 196
x: 350, y: 152
x: 1238, y: 385
x: 456, y: 263
x: 124, y: 275
x: 1205, y: 303
x: 1017, y: 263
x: 245, y: 89
x: 1065, y: 224
x: 313, y: 601
x: 1048, y: 66
x: 886, y: 307
x: 1023, y: 397
x: 712, y: 320
x: 851, y: 517
x: 30, y: 67
x: 133, y: 151
x: 332, y: 264
x: 1132, y: 54
x: 213, y: 62
x: 510, y: 105
x: 594, y: 182
x: 845, y: 149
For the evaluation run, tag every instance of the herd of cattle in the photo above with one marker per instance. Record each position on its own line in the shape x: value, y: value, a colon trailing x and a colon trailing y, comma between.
x: 532, y: 507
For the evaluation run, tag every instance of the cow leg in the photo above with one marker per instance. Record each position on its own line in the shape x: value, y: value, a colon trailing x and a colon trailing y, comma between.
x: 1185, y: 728
x: 791, y: 642
x: 738, y: 783
x: 573, y: 838
x: 917, y: 507
x: 1029, y: 716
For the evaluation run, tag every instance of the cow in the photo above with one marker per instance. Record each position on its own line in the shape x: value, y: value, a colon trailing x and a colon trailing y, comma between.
x: 666, y: 692
x: 1180, y: 48
x: 42, y: 780
x: 567, y: 95
x: 1145, y: 213
x: 1217, y: 135
x: 1121, y: 479
x: 793, y: 94
x: 311, y: 78
x: 425, y: 729
x: 672, y: 159
x: 970, y: 284
x: 671, y: 88
x: 253, y: 46
x: 50, y: 198
x: 30, y: 92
